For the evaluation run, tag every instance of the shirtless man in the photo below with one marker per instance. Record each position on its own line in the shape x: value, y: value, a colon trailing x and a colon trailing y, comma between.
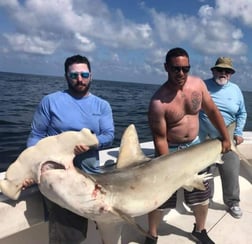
x: 173, y: 119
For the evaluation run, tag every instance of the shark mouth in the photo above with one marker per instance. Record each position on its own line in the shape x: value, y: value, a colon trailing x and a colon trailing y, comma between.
x: 51, y: 165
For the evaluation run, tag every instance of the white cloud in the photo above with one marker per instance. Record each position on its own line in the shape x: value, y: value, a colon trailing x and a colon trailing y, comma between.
x: 241, y: 9
x: 133, y: 36
x: 83, y: 43
x: 171, y: 29
x: 9, y: 4
x: 208, y: 32
x: 29, y: 44
x: 60, y: 20
x: 125, y: 44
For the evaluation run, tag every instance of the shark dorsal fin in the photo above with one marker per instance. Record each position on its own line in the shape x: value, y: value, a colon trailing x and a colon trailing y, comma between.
x: 130, y: 151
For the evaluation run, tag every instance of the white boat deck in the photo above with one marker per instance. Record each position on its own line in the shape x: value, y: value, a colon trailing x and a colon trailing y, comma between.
x: 25, y: 217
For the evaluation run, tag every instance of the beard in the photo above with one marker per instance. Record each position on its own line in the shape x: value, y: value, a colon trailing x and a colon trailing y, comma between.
x: 221, y: 81
x: 79, y: 89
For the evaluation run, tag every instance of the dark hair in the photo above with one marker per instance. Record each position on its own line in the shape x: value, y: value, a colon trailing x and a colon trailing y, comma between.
x: 76, y: 59
x: 175, y: 52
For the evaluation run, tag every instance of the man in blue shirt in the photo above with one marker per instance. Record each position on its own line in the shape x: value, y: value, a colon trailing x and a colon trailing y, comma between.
x: 73, y: 109
x: 229, y: 99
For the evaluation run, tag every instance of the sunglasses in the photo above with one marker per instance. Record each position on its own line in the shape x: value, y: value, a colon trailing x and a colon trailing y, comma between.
x: 227, y: 71
x: 177, y: 69
x: 74, y: 75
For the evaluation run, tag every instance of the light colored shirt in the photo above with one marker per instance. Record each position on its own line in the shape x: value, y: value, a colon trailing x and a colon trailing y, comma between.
x: 59, y: 112
x: 230, y: 101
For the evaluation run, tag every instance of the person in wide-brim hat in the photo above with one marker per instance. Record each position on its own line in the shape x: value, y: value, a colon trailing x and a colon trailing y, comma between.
x: 229, y: 99
x: 224, y: 63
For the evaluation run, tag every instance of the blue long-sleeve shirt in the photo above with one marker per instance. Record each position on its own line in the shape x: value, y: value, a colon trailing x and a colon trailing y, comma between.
x: 229, y: 99
x: 59, y: 112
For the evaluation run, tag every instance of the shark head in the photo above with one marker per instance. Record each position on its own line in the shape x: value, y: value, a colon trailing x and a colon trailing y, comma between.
x: 86, y: 196
x: 58, y: 148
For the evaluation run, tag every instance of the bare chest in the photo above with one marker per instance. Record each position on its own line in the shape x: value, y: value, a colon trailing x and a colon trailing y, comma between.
x: 184, y: 103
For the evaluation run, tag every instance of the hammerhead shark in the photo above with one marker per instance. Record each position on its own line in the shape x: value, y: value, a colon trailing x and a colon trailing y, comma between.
x: 58, y: 148
x: 137, y: 186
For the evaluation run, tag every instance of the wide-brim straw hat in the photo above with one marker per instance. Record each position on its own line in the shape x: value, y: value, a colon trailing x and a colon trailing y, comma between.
x: 225, y: 63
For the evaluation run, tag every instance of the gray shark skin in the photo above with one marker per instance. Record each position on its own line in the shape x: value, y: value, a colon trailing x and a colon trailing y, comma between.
x: 138, y: 186
x: 59, y: 148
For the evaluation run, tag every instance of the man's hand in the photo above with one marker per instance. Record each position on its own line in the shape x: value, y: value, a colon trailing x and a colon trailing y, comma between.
x: 27, y: 183
x: 238, y: 139
x: 226, y: 146
x: 80, y: 149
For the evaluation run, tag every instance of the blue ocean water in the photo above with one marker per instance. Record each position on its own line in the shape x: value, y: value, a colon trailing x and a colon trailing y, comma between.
x: 21, y: 93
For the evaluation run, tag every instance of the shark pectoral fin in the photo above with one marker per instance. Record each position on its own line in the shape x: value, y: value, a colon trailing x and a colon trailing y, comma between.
x: 10, y: 189
x: 197, y: 181
x: 131, y: 221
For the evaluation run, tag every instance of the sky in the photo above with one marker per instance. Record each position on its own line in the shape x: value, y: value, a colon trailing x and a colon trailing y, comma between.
x: 126, y: 40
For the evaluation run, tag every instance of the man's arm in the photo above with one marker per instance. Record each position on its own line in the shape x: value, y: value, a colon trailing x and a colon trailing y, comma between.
x: 107, y: 129
x: 216, y: 118
x: 158, y: 126
x: 241, y: 117
x: 40, y: 123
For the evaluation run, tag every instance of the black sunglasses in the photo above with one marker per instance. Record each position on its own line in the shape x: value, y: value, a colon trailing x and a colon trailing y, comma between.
x: 177, y: 69
x: 227, y: 71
